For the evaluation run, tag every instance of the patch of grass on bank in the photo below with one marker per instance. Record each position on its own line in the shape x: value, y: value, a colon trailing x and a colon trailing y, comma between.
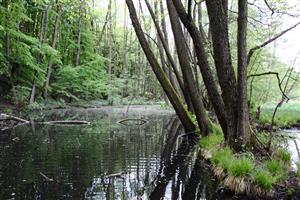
x: 222, y: 158
x: 239, y: 168
x: 264, y: 179
x: 287, y: 114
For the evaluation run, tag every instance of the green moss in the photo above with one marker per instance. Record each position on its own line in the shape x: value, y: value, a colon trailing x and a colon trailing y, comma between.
x: 264, y: 179
x: 223, y: 158
x: 240, y: 166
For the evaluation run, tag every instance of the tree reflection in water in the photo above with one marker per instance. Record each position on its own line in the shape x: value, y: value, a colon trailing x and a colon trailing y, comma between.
x: 106, y: 160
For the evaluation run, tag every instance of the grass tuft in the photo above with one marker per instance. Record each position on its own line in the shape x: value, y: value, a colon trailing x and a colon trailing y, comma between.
x: 241, y: 167
x: 298, y: 169
x: 275, y: 167
x: 264, y: 179
x: 223, y: 158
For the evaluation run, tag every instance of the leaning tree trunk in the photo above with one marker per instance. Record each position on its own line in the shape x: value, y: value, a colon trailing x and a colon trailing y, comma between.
x: 188, y: 76
x: 206, y: 72
x: 175, y: 100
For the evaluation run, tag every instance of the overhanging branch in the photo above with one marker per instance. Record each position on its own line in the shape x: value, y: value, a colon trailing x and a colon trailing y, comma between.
x: 278, y: 80
x: 251, y: 52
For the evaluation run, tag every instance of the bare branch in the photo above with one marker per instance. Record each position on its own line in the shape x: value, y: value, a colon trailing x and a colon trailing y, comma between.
x: 278, y: 79
x: 270, y: 8
x: 251, y: 52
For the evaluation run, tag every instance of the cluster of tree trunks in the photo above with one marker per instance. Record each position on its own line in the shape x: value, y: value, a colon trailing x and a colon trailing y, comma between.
x: 230, y: 104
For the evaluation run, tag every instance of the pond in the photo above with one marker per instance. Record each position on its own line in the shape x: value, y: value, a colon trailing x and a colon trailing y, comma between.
x: 105, y: 160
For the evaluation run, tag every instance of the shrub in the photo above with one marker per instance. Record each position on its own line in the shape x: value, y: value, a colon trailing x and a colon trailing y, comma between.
x: 241, y: 166
x: 223, y: 158
x: 264, y: 179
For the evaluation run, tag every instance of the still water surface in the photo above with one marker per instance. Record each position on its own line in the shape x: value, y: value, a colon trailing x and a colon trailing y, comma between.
x: 105, y: 160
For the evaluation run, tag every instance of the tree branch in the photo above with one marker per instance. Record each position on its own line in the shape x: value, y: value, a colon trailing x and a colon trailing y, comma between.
x: 251, y: 52
x: 278, y: 79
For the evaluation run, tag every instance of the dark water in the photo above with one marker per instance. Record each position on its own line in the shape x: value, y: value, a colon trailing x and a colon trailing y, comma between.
x: 105, y: 160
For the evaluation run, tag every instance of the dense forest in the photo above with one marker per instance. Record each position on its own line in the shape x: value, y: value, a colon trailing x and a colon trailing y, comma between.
x: 220, y: 65
x: 66, y: 51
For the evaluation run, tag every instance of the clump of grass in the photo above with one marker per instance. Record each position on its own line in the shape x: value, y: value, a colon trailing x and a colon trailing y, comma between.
x: 275, y: 167
x: 283, y: 155
x: 298, y: 169
x: 264, y: 179
x: 223, y: 158
x: 211, y: 140
x: 241, y: 167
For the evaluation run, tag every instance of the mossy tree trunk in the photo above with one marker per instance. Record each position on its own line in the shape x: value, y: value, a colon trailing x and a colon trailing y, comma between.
x: 174, y: 98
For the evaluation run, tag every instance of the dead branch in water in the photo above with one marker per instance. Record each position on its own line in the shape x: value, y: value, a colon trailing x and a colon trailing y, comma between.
x: 4, y: 117
x: 46, y: 177
x: 73, y: 122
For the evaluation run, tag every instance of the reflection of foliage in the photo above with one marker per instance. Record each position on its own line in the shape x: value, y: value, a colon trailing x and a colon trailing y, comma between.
x: 75, y: 154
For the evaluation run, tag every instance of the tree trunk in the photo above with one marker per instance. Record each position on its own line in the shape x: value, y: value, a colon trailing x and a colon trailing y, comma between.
x: 110, y: 41
x: 53, y: 45
x: 242, y: 103
x: 205, y: 69
x: 77, y: 62
x: 175, y: 100
x: 43, y: 35
x: 188, y: 76
x: 222, y: 58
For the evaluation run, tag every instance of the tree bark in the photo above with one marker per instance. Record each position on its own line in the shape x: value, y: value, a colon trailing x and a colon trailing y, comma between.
x: 242, y: 102
x: 77, y: 62
x: 188, y: 76
x: 222, y: 58
x: 205, y: 69
x: 53, y: 45
x: 175, y: 100
x: 43, y: 35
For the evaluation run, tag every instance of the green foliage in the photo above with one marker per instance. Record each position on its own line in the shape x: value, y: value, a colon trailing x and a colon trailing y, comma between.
x: 222, y: 157
x: 264, y: 179
x: 240, y: 166
x: 87, y: 81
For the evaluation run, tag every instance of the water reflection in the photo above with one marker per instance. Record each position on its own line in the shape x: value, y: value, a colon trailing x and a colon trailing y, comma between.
x: 106, y: 160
